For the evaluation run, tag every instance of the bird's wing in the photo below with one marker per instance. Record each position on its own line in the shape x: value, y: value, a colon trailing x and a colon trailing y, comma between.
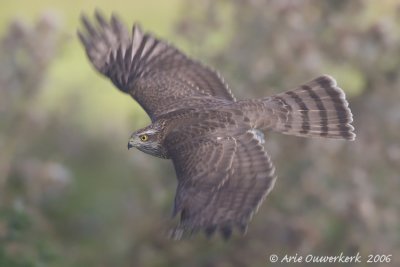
x: 221, y: 181
x: 156, y: 74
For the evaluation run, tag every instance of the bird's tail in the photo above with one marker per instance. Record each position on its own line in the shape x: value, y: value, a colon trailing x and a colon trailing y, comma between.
x: 316, y: 109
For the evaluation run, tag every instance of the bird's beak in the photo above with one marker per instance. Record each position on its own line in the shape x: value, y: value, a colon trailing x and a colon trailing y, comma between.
x: 130, y: 145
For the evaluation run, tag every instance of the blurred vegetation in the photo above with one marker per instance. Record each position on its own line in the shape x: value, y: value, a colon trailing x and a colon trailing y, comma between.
x: 72, y: 195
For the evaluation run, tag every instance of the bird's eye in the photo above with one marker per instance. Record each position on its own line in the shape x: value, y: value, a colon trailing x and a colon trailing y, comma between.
x: 144, y: 137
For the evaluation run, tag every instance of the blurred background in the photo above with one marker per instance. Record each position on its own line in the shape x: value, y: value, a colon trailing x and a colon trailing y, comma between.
x: 72, y: 195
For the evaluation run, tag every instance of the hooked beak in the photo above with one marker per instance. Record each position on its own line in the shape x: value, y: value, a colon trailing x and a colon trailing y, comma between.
x: 130, y: 145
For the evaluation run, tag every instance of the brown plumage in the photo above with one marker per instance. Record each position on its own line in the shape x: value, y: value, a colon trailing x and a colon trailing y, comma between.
x: 214, y: 141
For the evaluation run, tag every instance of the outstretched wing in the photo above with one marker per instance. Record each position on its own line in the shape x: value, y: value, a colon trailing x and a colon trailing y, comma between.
x: 156, y: 74
x: 221, y: 182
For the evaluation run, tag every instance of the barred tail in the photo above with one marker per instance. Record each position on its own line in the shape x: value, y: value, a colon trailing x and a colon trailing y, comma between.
x: 316, y: 109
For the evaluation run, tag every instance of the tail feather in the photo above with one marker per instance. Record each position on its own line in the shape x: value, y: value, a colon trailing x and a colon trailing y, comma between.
x: 316, y: 109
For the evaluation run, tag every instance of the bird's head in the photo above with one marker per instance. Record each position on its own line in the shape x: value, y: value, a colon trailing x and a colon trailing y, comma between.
x: 148, y: 140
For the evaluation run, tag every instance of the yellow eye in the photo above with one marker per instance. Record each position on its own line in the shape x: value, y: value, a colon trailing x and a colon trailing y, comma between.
x: 144, y: 137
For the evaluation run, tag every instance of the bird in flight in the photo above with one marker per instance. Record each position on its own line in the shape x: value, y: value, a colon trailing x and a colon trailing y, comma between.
x: 214, y: 140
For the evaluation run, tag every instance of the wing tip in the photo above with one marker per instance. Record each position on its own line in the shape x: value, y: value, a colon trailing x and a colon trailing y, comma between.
x: 82, y: 38
x: 100, y: 18
x: 226, y: 231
